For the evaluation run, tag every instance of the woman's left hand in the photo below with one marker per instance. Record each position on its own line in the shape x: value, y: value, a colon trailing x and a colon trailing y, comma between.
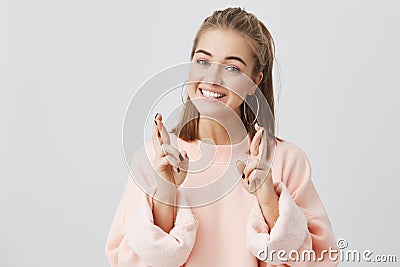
x: 256, y: 173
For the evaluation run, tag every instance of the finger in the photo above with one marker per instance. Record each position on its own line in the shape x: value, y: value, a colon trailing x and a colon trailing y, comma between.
x: 264, y: 144
x: 155, y: 138
x: 168, y: 149
x: 252, y: 164
x: 172, y: 161
x: 256, y: 178
x: 244, y: 180
x: 158, y: 123
x: 163, y: 131
x: 184, y: 154
x: 245, y: 183
x: 252, y: 182
x: 258, y: 126
x: 185, y: 163
x: 263, y: 147
x: 255, y: 143
x: 166, y: 161
x: 240, y: 165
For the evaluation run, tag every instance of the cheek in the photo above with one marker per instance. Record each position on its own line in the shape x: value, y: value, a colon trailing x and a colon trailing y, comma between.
x: 239, y: 87
x: 191, y: 89
x: 234, y: 101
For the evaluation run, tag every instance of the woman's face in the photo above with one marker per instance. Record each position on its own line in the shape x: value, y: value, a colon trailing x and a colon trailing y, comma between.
x: 221, y: 72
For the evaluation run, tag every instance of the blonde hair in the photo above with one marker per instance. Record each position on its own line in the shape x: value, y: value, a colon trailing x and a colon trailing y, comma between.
x: 249, y: 26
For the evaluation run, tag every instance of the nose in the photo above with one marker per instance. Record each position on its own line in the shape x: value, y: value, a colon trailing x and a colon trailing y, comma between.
x: 214, y: 74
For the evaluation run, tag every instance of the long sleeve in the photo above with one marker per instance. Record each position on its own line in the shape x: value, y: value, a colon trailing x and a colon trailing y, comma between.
x: 302, y: 227
x: 134, y: 240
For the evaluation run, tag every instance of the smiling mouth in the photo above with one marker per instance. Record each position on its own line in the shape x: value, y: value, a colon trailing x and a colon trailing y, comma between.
x: 210, y: 94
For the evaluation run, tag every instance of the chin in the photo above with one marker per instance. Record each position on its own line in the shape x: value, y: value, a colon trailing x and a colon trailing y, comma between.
x: 217, y: 110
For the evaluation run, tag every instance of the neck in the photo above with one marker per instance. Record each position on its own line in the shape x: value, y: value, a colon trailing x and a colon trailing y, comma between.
x: 225, y: 131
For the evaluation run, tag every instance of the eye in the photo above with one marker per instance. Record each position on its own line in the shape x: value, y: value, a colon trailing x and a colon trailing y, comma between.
x: 231, y: 68
x: 203, y: 62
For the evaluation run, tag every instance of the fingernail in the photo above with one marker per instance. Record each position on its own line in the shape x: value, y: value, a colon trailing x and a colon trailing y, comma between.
x: 178, y: 170
x: 156, y: 115
x: 243, y: 176
x: 155, y: 122
x: 181, y: 157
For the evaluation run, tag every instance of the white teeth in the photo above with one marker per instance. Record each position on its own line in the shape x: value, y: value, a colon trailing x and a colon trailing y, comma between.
x: 211, y: 94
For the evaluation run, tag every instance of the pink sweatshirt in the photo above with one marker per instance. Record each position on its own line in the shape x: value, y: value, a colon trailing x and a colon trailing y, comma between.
x: 230, y: 231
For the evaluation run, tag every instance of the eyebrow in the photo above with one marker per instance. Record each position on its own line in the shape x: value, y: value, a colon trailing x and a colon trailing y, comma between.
x: 226, y: 58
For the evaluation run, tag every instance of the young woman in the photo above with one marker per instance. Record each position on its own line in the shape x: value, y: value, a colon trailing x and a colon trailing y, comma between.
x: 272, y: 209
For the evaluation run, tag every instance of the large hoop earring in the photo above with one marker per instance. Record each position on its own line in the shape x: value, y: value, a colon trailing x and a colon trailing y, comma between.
x: 244, y: 110
x: 183, y: 102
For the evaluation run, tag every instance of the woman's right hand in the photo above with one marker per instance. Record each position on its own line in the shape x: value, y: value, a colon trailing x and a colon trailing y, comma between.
x: 170, y: 163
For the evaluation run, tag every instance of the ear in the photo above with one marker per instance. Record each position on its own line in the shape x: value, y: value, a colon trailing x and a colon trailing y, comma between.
x: 257, y: 80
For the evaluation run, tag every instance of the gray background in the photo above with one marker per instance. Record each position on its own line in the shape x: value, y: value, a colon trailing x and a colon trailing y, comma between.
x: 68, y: 70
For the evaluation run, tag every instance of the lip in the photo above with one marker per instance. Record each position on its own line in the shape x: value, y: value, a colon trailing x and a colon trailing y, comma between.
x: 214, y: 91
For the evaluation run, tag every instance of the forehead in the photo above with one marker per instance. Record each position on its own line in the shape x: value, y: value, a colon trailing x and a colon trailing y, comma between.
x: 222, y: 43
